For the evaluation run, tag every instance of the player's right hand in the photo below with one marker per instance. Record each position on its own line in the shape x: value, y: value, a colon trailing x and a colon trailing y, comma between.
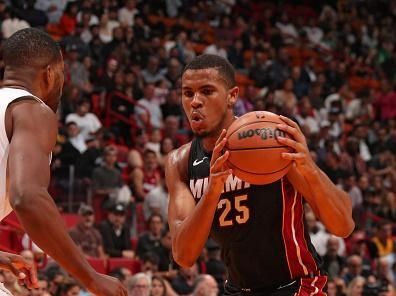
x: 219, y: 171
x: 104, y: 285
x: 22, y: 269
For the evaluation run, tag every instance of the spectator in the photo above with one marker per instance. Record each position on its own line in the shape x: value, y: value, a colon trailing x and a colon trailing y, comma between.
x: 383, y: 241
x: 355, y: 288
x: 68, y: 20
x: 78, y: 73
x: 147, y: 111
x: 184, y: 282
x: 152, y: 73
x: 333, y: 263
x: 156, y: 201
x: 139, y: 285
x: 12, y: 23
x: 106, y: 179
x: 88, y: 122
x: 115, y: 233
x: 205, y: 285
x: 151, y: 240
x: 53, y: 8
x: 86, y: 236
x: 70, y: 288
x: 127, y: 13
x: 75, y: 144
x: 35, y: 17
x: 158, y: 286
x: 354, y: 269
x: 147, y: 178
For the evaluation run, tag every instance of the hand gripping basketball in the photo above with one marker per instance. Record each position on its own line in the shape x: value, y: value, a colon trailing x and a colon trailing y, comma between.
x: 301, y: 156
x: 218, y: 170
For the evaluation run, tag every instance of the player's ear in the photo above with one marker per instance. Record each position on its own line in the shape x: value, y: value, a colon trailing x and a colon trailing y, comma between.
x: 49, y: 76
x: 232, y: 96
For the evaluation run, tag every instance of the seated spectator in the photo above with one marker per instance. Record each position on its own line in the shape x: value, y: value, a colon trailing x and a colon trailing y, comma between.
x: 383, y: 241
x: 42, y: 287
x: 156, y: 201
x: 35, y: 17
x: 89, y: 159
x: 86, y: 236
x: 147, y: 178
x: 70, y: 288
x: 152, y: 74
x: 184, y: 282
x: 11, y: 23
x: 127, y: 13
x: 68, y: 20
x: 165, y: 265
x: 75, y: 144
x: 158, y: 286
x: 106, y: 179
x: 354, y: 268
x: 139, y: 285
x: 355, y: 287
x: 285, y: 97
x: 88, y: 122
x: 171, y: 130
x: 172, y: 105
x: 115, y: 233
x: 214, y: 265
x: 151, y: 240
x: 333, y: 263
x: 205, y: 285
x: 150, y: 263
x: 147, y: 111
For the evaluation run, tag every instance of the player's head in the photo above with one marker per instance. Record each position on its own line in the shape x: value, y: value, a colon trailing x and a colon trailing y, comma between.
x: 32, y: 57
x: 209, y: 93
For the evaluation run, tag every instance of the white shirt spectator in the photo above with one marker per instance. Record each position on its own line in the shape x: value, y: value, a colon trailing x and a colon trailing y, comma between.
x: 156, y: 201
x: 12, y: 25
x: 53, y: 8
x: 213, y: 49
x: 127, y: 16
x: 88, y: 123
x: 154, y: 113
x: 78, y: 142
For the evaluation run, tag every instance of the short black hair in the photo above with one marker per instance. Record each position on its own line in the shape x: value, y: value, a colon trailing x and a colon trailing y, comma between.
x: 207, y: 61
x: 30, y: 47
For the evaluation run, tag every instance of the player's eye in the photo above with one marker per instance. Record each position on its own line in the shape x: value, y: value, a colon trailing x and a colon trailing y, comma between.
x: 188, y: 94
x: 207, y: 92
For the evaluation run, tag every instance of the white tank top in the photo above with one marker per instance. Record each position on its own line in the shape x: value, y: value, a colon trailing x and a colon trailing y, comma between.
x: 7, y: 95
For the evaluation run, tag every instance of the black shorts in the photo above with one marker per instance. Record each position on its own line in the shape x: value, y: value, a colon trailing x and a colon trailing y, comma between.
x: 299, y: 287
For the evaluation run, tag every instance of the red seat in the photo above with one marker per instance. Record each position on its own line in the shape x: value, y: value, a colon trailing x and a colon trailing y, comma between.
x: 132, y: 264
x: 70, y: 220
x: 134, y: 241
x: 98, y: 264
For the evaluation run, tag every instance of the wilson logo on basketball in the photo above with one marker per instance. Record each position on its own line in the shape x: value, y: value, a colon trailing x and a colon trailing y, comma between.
x: 263, y: 133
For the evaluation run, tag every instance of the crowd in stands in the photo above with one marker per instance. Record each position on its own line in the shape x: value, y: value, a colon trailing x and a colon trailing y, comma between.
x: 329, y: 65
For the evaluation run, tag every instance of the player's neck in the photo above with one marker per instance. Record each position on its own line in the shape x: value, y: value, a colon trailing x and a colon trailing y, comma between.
x: 210, y: 141
x: 25, y: 82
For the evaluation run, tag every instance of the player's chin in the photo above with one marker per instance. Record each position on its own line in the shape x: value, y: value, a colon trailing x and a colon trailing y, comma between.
x: 200, y: 133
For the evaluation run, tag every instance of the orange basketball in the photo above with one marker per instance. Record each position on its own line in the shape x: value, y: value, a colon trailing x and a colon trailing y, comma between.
x: 255, y: 154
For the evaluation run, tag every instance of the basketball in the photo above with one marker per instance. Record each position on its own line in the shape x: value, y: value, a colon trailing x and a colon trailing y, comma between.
x: 255, y: 154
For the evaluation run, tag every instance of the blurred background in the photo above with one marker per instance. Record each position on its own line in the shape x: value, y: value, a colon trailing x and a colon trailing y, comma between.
x: 329, y: 65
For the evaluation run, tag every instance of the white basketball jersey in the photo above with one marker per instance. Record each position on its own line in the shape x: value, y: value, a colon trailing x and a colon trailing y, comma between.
x: 7, y: 95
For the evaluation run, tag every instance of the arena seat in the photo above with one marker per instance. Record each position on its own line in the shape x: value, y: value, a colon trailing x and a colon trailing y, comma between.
x: 132, y: 264
x: 100, y: 265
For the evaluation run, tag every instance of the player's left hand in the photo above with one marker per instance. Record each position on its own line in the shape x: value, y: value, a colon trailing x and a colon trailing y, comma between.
x: 301, y: 155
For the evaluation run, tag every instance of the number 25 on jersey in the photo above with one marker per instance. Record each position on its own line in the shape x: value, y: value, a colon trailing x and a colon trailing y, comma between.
x: 238, y: 203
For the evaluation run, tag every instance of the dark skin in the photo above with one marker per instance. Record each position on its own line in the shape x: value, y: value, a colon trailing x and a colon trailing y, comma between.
x: 32, y: 129
x: 208, y: 103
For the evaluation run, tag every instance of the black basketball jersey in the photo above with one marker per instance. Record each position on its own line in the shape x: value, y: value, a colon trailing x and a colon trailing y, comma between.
x: 260, y: 228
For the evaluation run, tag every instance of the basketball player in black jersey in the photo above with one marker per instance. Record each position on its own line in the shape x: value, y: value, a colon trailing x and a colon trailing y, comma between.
x: 260, y: 229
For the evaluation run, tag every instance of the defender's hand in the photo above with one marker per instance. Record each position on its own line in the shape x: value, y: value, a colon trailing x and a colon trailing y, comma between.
x: 23, y: 270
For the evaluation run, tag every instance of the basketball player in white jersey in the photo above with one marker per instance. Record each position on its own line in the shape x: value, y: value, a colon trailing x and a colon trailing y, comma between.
x: 32, y: 87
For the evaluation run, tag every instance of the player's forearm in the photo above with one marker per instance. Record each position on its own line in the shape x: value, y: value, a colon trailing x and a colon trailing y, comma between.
x: 192, y: 234
x: 41, y: 220
x: 333, y: 205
